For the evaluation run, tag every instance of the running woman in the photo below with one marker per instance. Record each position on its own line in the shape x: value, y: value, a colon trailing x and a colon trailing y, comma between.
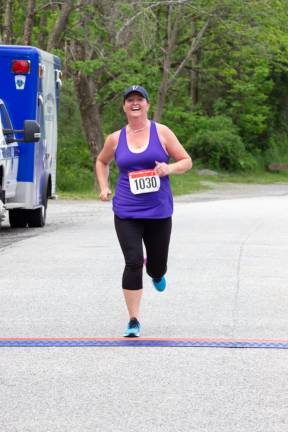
x: 143, y: 202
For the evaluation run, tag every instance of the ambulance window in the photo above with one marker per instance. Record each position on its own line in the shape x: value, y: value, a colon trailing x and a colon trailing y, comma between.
x: 6, y: 123
x: 5, y: 118
x: 2, y: 139
x: 40, y: 117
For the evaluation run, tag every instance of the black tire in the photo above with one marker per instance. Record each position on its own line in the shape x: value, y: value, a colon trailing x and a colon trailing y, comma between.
x: 37, y: 218
x: 18, y: 218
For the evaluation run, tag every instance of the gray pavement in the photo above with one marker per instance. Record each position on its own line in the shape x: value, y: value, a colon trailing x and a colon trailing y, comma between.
x: 227, y: 277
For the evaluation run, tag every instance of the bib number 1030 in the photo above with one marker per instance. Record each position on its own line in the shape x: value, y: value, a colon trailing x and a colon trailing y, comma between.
x: 144, y: 181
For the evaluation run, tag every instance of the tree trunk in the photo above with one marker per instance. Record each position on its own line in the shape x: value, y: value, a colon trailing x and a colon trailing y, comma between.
x: 60, y: 24
x: 90, y: 113
x: 86, y: 92
x: 195, y: 46
x: 194, y: 71
x: 166, y: 80
x: 29, y: 21
x: 171, y: 38
x: 7, y: 25
x: 42, y: 38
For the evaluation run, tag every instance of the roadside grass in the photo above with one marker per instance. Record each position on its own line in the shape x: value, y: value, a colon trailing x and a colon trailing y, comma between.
x: 187, y: 183
x: 191, y: 182
x: 263, y: 177
x: 79, y: 195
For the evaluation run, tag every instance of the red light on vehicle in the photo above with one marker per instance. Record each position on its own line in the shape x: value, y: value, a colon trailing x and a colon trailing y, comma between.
x: 20, y: 67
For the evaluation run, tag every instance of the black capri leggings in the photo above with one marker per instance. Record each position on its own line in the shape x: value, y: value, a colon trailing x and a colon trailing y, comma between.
x: 155, y: 233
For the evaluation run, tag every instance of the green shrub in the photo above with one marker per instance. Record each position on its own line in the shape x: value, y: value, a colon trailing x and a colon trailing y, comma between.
x: 74, y: 166
x: 277, y: 151
x: 70, y: 180
x: 215, y: 141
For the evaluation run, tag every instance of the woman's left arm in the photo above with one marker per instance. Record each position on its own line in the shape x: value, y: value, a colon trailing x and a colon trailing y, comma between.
x: 176, y: 151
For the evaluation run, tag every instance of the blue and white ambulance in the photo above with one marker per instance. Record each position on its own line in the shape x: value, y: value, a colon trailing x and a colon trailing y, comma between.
x: 30, y: 82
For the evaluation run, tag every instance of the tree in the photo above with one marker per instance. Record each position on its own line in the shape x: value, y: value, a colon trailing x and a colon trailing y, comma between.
x: 7, y: 23
x: 29, y: 21
x: 60, y: 25
x: 171, y: 35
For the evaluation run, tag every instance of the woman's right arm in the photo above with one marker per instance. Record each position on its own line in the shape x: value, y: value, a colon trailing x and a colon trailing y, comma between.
x: 103, y: 161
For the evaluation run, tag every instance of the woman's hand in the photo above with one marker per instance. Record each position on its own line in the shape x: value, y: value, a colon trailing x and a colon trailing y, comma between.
x: 104, y: 194
x: 162, y: 169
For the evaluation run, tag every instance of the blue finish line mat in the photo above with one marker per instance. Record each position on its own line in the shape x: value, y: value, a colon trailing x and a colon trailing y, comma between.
x: 144, y: 342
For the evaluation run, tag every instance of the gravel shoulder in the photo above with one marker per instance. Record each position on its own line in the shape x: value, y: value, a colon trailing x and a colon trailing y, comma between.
x: 222, y: 191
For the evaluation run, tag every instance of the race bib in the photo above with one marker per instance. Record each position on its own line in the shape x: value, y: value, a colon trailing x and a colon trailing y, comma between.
x: 144, y: 181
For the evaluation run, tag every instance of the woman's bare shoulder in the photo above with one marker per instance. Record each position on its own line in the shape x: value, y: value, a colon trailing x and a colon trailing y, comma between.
x: 164, y: 131
x: 162, y: 127
x: 112, y: 139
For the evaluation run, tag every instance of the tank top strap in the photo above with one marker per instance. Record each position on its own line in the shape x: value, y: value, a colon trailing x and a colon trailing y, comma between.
x: 154, y: 137
x: 155, y: 140
x: 121, y: 141
x: 122, y: 136
x: 153, y: 131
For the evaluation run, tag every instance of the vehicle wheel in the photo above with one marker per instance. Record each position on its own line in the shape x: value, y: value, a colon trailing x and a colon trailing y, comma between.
x: 18, y: 218
x: 2, y: 200
x: 36, y: 218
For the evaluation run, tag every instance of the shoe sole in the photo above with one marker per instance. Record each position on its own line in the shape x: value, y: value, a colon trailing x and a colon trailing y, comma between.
x: 159, y: 290
x: 132, y: 336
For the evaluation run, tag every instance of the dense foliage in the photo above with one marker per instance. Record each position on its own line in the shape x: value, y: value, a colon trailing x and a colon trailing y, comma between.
x: 216, y: 70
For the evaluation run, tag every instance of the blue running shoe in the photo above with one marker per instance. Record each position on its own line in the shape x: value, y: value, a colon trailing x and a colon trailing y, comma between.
x: 159, y: 284
x: 133, y: 328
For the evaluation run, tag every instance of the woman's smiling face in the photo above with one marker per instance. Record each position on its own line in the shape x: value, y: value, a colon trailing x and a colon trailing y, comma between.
x: 135, y: 105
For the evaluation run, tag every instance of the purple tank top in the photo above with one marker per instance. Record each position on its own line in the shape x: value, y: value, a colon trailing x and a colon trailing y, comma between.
x: 151, y: 205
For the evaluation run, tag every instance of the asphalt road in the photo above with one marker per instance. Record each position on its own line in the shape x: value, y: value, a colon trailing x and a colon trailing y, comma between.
x: 227, y: 278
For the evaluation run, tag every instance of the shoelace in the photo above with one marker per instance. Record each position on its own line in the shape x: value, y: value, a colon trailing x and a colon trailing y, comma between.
x: 134, y: 323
